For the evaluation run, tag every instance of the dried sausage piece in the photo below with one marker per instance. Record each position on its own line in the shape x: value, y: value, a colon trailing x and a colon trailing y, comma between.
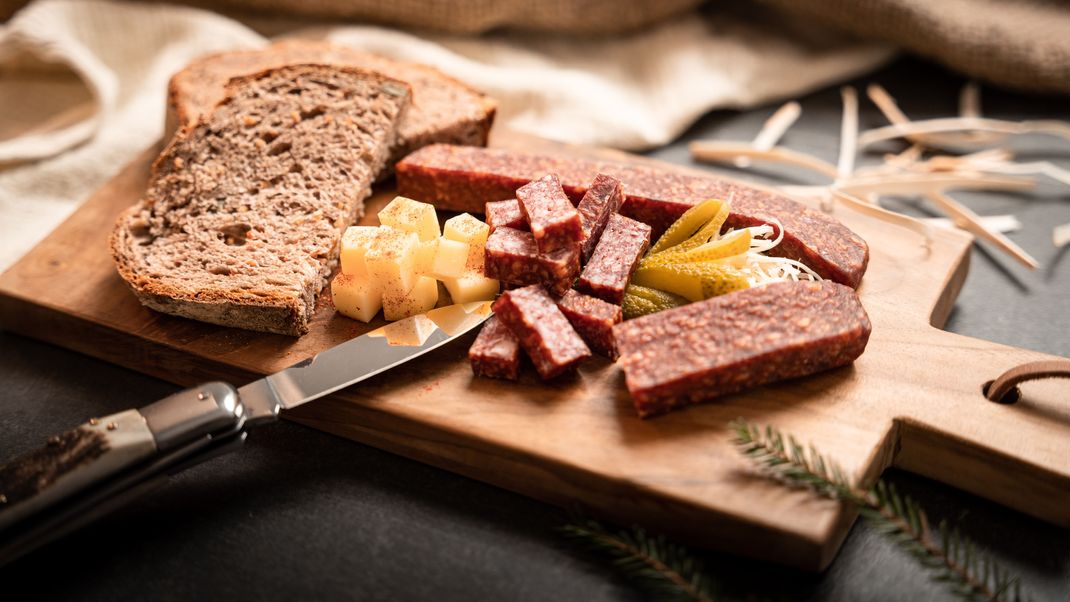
x: 740, y: 340
x: 463, y: 178
x: 495, y: 352
x: 615, y: 257
x: 553, y: 220
x: 543, y: 331
x: 505, y: 214
x: 593, y: 319
x: 512, y: 257
x: 603, y: 198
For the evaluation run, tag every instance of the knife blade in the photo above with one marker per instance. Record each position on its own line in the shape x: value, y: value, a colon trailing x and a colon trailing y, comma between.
x: 94, y: 468
x: 358, y: 359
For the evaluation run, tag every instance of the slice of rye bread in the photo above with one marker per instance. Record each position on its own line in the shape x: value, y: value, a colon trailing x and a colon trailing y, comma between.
x: 241, y: 222
x: 442, y: 110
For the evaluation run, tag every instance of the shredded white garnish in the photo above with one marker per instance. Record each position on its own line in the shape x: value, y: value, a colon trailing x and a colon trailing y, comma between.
x: 760, y: 268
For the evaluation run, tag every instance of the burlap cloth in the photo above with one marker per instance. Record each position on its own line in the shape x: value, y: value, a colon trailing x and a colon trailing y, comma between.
x: 1016, y: 43
x: 83, y: 84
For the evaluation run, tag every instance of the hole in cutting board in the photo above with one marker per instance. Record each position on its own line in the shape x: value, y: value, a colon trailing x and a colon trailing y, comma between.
x: 1012, y: 396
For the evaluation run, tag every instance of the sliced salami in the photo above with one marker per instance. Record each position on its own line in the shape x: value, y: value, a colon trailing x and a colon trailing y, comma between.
x: 740, y: 340
x: 505, y: 214
x: 593, y: 319
x: 615, y: 258
x: 512, y: 257
x: 532, y: 316
x: 495, y: 352
x: 603, y: 198
x: 553, y: 220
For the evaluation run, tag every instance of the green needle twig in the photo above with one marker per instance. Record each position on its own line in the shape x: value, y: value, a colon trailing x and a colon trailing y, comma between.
x: 951, y: 557
x: 668, y: 570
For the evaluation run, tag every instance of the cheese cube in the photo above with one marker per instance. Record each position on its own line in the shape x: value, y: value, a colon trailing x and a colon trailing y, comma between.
x: 391, y: 260
x: 358, y: 298
x: 476, y: 256
x: 467, y: 229
x: 471, y: 287
x: 355, y: 243
x: 411, y: 216
x: 426, y: 251
x: 450, y: 259
x: 421, y: 298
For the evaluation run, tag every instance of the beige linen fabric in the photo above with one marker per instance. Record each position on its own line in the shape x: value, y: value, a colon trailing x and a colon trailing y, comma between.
x: 1021, y: 43
x: 83, y: 85
x: 109, y: 65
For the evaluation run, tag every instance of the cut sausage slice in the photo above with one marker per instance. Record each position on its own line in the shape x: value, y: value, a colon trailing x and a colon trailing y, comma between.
x: 512, y: 257
x: 553, y: 220
x: 593, y: 319
x: 603, y: 198
x: 615, y: 258
x: 532, y: 316
x: 505, y: 214
x: 740, y: 340
x: 464, y: 178
x: 495, y: 352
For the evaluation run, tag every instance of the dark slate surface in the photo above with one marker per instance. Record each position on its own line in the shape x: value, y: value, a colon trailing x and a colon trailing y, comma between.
x: 303, y: 515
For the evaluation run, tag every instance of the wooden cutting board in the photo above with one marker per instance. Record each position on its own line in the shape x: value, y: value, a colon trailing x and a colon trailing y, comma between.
x: 913, y: 400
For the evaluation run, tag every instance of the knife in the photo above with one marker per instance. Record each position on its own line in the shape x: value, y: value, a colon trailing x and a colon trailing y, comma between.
x: 86, y: 472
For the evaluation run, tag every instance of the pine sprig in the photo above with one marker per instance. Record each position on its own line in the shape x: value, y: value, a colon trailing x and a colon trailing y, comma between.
x: 951, y: 557
x: 667, y: 569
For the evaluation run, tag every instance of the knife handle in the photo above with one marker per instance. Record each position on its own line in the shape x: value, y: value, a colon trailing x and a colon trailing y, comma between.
x: 70, y: 462
x: 83, y: 468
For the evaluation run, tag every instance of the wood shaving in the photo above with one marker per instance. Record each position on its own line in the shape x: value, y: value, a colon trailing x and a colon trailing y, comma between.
x: 970, y: 100
x: 932, y: 165
x: 727, y: 152
x: 964, y: 124
x: 887, y: 105
x: 848, y: 133
x: 924, y: 183
x: 996, y: 223
x: 1060, y: 236
x: 777, y: 125
x: 772, y: 131
x: 965, y: 218
x: 921, y: 228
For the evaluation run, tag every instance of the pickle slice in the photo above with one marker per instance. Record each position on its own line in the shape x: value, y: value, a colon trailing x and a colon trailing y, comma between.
x: 733, y: 244
x: 706, y: 233
x: 662, y: 299
x: 692, y: 221
x: 693, y: 281
x: 635, y: 306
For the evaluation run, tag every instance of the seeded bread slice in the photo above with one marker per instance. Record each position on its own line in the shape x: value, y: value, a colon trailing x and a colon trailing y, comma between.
x: 443, y: 109
x: 242, y: 219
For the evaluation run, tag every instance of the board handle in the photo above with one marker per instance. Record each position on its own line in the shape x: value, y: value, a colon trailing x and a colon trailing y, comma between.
x: 1004, y: 389
x: 987, y: 437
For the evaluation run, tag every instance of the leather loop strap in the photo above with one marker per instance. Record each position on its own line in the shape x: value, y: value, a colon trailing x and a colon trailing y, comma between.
x: 1005, y: 388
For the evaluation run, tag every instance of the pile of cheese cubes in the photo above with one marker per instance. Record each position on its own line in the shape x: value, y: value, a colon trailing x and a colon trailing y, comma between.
x: 397, y: 266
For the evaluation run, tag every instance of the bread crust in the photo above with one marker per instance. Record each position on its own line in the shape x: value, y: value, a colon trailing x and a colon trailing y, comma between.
x: 287, y: 314
x: 469, y: 124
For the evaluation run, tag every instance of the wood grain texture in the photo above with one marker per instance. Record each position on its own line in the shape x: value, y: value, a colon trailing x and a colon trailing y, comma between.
x: 912, y: 400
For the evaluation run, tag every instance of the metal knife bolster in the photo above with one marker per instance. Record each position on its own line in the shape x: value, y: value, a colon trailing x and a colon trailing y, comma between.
x: 178, y: 419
